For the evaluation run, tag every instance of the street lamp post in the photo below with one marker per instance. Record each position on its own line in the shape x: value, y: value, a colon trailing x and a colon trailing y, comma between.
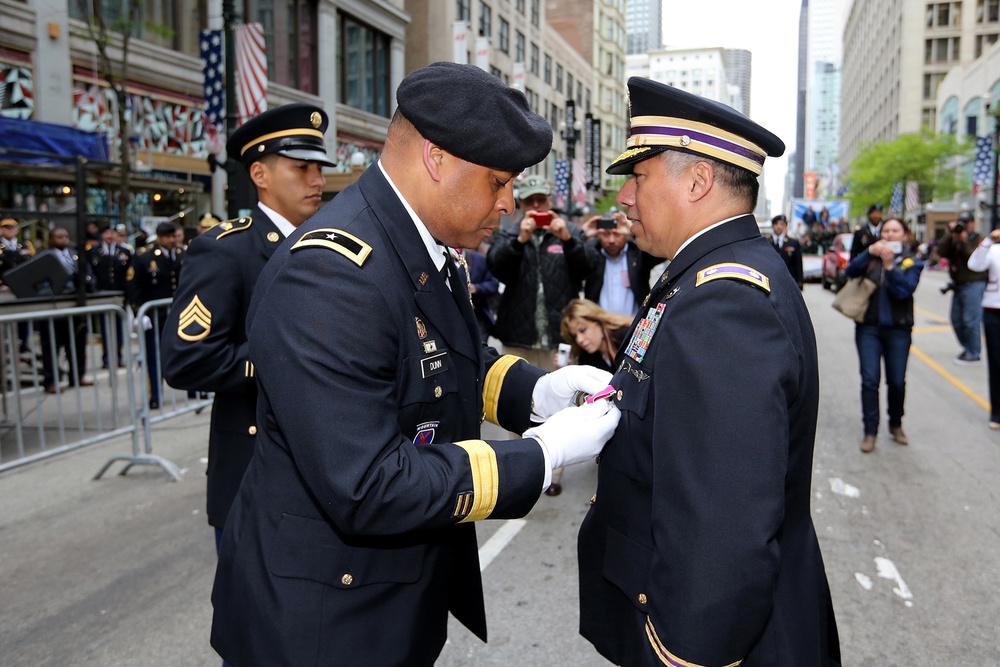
x: 570, y: 131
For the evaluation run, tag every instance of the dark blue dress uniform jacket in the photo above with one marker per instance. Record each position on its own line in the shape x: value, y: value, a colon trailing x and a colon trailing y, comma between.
x: 204, y: 345
x: 350, y: 538
x: 699, y: 548
x: 152, y: 275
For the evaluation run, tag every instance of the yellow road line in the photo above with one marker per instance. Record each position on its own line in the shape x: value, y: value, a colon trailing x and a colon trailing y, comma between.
x: 950, y: 378
x: 937, y: 329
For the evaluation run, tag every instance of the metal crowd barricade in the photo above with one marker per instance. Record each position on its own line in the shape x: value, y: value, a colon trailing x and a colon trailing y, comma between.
x: 172, y: 402
x: 44, y: 416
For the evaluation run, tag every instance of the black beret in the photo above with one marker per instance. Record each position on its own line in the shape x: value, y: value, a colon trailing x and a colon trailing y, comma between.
x: 662, y: 118
x: 965, y: 216
x: 293, y: 130
x: 780, y: 216
x: 474, y: 116
x: 874, y: 207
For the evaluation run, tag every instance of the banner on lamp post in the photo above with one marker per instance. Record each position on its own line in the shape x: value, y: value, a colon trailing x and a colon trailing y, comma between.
x: 483, y: 53
x: 517, y: 77
x: 460, y: 43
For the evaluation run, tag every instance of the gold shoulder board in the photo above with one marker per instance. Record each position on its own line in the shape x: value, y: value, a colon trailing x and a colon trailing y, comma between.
x: 233, y: 226
x: 346, y: 244
x: 735, y: 272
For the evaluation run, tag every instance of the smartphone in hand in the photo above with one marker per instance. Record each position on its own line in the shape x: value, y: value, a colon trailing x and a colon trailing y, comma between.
x: 543, y: 220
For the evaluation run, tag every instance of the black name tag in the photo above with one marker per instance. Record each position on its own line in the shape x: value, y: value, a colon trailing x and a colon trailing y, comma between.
x: 434, y: 364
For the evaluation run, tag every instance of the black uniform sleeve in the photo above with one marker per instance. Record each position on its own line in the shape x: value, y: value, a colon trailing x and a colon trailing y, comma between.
x: 327, y: 342
x: 204, y: 346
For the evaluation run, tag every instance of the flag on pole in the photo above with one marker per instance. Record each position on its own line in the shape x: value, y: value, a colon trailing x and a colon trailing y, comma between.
x: 984, y: 161
x: 213, y: 69
x: 251, y: 71
x: 912, y: 196
x: 562, y: 184
x: 896, y: 203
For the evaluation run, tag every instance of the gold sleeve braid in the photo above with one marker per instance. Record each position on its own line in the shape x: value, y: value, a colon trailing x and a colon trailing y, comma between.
x: 665, y: 656
x: 485, y: 480
x: 494, y: 383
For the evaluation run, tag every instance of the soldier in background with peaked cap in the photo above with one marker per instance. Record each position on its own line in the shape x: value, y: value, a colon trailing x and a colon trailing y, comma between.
x: 205, y: 340
x: 352, y: 535
x: 698, y: 548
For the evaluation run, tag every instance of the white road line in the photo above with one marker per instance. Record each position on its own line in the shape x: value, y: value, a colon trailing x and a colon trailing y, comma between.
x: 500, y: 539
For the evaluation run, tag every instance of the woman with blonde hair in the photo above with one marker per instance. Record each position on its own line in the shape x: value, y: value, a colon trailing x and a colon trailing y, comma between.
x: 593, y: 333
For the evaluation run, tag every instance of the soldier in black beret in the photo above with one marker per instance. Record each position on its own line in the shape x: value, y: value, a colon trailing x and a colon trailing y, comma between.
x: 204, y: 347
x: 352, y: 534
x: 698, y: 548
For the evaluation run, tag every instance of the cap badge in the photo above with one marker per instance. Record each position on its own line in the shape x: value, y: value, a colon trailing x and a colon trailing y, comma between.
x: 261, y: 148
x: 316, y: 119
x: 685, y: 140
x: 273, y: 237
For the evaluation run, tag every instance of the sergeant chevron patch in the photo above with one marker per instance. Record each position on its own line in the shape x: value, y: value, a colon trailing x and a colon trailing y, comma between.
x: 736, y: 271
x: 195, y: 321
x: 346, y: 244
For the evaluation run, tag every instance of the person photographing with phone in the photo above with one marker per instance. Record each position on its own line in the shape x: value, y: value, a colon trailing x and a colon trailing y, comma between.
x: 957, y: 246
x: 542, y: 264
x: 886, y: 330
x: 620, y: 279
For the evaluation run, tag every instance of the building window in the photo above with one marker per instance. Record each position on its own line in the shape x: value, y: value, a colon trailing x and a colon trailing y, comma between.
x: 485, y: 20
x: 520, y: 6
x: 461, y: 10
x: 364, y: 66
x: 569, y: 85
x: 534, y: 59
x: 548, y: 69
x: 518, y: 46
x: 535, y: 13
x: 983, y: 41
x: 505, y: 36
x: 165, y: 23
x: 559, y: 77
x: 988, y: 11
x: 496, y: 72
x: 290, y: 37
x: 931, y: 83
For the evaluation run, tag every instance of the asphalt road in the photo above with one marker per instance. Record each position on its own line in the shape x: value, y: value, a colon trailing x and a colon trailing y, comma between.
x: 117, y: 572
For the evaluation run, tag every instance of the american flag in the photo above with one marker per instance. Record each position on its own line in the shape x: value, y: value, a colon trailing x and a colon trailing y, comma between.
x: 896, y: 203
x: 984, y: 161
x: 251, y: 71
x: 912, y: 196
x: 213, y: 67
x: 562, y: 183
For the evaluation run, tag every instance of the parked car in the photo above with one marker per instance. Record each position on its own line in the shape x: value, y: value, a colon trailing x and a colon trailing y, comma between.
x: 835, y: 261
x: 812, y: 265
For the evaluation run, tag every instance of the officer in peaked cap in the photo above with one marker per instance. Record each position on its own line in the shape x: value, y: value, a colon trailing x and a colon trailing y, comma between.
x: 698, y: 548
x: 204, y: 346
x: 369, y: 470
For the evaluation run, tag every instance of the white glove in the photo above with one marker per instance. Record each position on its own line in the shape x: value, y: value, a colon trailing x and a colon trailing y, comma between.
x: 558, y: 389
x: 576, y: 434
x: 146, y: 323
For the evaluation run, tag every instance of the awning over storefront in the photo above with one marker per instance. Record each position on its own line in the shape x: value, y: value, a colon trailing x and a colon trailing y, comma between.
x: 21, y: 138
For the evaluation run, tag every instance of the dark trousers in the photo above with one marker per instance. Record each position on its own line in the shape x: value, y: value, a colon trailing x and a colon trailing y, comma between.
x: 158, y: 317
x: 67, y: 332
x: 111, y: 323
x: 991, y: 329
x: 876, y: 343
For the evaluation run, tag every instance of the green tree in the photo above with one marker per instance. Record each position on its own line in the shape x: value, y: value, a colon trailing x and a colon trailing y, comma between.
x: 927, y: 158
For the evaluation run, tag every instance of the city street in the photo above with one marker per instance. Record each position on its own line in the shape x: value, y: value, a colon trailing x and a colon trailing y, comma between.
x: 117, y: 572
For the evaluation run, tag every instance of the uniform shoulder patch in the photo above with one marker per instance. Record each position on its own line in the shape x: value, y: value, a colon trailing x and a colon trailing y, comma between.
x: 346, y: 244
x: 233, y: 226
x: 195, y: 321
x: 734, y: 272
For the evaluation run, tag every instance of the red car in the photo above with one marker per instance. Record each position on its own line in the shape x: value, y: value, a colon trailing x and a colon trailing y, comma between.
x: 835, y: 261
